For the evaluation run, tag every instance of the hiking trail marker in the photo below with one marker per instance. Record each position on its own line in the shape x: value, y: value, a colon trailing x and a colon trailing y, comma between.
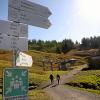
x: 24, y: 60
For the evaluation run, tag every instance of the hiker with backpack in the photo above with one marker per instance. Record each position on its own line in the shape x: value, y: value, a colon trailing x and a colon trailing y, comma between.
x: 58, y: 78
x: 51, y: 78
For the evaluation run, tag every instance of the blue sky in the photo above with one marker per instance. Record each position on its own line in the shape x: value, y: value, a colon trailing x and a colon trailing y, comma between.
x: 72, y: 19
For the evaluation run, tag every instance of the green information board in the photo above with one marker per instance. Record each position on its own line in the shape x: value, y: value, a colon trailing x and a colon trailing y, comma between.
x: 15, y: 82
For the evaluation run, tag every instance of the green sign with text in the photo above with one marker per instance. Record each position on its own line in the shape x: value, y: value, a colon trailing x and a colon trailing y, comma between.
x: 15, y: 82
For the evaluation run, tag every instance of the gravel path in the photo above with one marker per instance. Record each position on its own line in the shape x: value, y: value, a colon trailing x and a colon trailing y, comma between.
x: 60, y: 92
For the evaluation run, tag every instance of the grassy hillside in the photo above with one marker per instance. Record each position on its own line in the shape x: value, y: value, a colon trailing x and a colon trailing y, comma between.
x: 89, y: 80
x: 6, y: 58
x: 37, y: 75
x: 37, y: 67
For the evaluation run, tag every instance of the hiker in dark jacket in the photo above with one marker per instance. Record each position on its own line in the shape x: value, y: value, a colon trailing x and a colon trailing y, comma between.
x: 51, y: 78
x: 58, y: 78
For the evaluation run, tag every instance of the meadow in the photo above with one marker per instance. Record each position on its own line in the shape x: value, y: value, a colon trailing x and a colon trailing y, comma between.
x: 88, y: 80
x: 37, y: 75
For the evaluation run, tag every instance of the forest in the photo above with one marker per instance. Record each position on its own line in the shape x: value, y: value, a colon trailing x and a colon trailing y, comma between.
x: 64, y: 46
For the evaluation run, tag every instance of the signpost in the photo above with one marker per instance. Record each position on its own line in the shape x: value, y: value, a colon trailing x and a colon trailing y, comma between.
x: 24, y: 60
x: 15, y: 82
x: 13, y: 36
x: 13, y: 29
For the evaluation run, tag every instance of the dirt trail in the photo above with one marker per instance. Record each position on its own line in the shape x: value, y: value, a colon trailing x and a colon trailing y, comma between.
x: 60, y: 92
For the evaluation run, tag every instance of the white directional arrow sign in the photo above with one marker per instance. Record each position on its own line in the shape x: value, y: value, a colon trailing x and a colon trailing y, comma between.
x: 26, y: 12
x: 24, y: 60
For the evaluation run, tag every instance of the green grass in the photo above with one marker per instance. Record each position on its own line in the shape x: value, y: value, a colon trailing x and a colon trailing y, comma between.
x: 42, y: 77
x: 83, y: 89
x: 0, y: 97
x: 36, y: 73
x: 91, y: 76
x: 38, y: 95
x: 89, y: 80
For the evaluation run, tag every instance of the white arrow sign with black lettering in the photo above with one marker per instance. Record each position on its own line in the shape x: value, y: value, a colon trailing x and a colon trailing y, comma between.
x: 24, y: 60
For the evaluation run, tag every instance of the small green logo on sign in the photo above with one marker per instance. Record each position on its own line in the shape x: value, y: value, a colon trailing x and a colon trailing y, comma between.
x: 15, y: 82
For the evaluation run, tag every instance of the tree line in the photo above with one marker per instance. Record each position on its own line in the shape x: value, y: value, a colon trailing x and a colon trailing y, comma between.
x: 91, y: 43
x: 64, y: 46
